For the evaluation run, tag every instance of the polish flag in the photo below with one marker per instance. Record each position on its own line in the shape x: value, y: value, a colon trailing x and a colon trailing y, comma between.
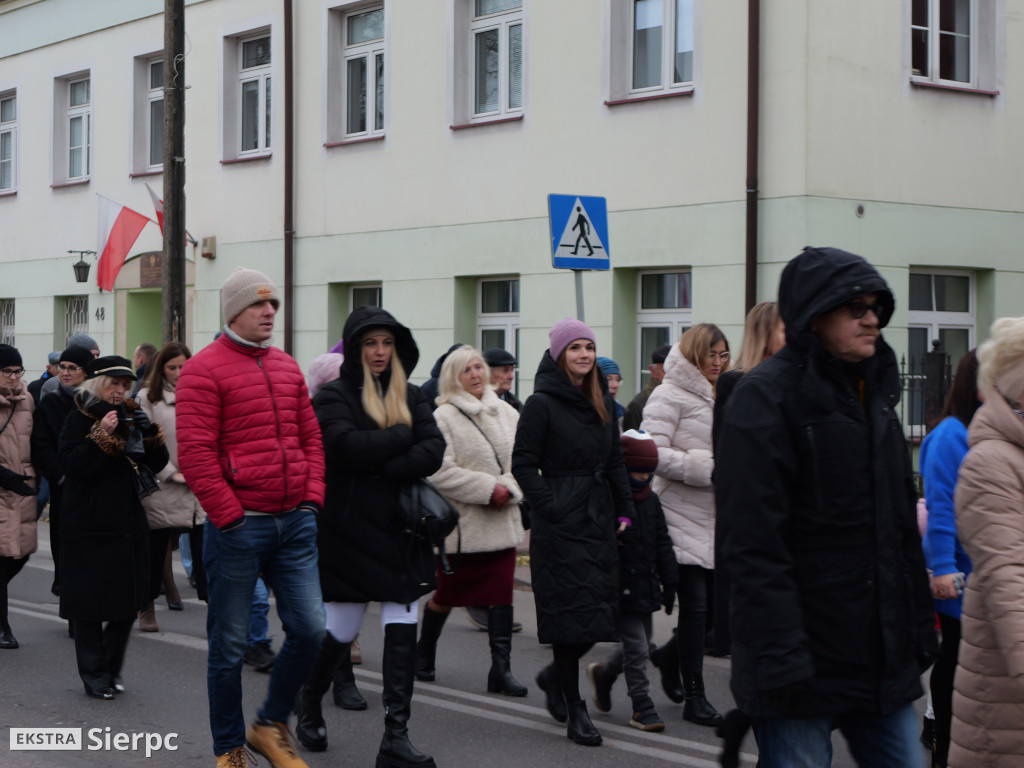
x: 117, y: 230
x: 158, y: 205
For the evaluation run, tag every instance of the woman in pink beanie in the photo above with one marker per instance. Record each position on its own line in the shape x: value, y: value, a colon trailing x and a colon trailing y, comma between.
x: 568, y: 461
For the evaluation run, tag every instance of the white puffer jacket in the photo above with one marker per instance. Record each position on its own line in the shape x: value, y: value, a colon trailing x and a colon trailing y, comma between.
x: 470, y: 471
x: 678, y: 415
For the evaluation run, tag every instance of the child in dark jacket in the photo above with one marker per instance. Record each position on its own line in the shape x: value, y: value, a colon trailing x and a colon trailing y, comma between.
x: 648, y: 575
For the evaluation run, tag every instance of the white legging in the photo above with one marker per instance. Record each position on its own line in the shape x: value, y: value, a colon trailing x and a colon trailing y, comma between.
x: 344, y: 620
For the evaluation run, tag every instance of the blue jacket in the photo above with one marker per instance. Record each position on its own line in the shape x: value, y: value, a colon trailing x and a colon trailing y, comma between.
x: 941, y: 454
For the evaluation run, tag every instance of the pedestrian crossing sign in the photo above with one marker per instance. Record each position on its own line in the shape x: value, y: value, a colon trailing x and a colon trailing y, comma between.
x: 579, y: 232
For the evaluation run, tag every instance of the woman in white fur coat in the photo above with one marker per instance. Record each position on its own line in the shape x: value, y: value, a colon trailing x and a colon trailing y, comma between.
x: 476, y: 477
x: 679, y: 416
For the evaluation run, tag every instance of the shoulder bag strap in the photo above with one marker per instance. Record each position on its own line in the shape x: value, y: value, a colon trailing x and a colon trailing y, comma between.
x: 478, y: 429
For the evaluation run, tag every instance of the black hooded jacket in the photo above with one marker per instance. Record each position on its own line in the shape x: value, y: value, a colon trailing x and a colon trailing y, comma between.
x: 571, y: 470
x: 364, y: 552
x: 831, y: 610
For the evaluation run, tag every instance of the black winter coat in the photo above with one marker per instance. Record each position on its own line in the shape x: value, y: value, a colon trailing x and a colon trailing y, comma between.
x: 47, y: 423
x: 580, y: 491
x: 647, y: 562
x: 365, y: 553
x: 104, y: 534
x: 830, y: 610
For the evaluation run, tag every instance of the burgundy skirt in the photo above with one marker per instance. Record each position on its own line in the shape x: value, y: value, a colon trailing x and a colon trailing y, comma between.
x: 480, y: 578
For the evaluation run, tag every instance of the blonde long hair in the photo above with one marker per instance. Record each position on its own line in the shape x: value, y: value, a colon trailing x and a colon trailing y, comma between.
x: 696, y: 343
x: 392, y: 408
x: 757, y: 334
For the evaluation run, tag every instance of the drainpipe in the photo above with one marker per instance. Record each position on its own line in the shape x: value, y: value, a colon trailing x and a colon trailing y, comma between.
x: 753, y: 124
x: 289, y: 182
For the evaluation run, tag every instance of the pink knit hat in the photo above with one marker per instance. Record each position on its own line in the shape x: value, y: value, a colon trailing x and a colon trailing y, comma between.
x: 565, y: 333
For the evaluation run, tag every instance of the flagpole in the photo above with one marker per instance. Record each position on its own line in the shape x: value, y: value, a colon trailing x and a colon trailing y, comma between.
x: 174, y: 172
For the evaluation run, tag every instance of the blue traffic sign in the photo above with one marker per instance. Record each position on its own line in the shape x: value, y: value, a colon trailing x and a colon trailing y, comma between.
x: 579, y: 232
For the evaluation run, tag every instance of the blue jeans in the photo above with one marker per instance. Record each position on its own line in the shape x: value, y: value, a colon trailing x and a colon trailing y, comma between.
x: 875, y: 741
x: 258, y: 624
x: 283, y: 548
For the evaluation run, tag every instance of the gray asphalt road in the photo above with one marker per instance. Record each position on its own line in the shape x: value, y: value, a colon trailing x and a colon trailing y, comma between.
x: 454, y: 719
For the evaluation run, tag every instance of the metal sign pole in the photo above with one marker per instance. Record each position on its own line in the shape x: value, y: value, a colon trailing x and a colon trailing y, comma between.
x: 579, y: 295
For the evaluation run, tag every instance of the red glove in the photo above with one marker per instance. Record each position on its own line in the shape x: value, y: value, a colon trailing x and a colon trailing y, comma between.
x: 499, y: 497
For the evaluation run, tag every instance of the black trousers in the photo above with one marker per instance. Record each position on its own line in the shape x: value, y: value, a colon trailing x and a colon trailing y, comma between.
x: 941, y: 683
x: 691, y: 624
x: 99, y: 650
x: 9, y: 568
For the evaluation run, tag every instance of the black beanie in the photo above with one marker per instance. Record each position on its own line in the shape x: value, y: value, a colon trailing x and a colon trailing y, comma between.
x: 9, y: 357
x: 80, y: 356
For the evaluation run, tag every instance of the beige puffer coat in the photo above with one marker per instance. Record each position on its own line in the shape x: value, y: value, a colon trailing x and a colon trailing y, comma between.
x: 17, y: 512
x: 988, y: 700
x: 470, y: 471
x: 679, y: 415
x: 174, y: 505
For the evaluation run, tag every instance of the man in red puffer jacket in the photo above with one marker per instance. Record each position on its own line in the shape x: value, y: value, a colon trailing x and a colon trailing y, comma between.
x: 249, y: 446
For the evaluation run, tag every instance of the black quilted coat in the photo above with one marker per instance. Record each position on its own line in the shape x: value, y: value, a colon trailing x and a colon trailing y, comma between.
x: 365, y: 555
x: 830, y: 609
x: 647, y: 562
x: 580, y: 491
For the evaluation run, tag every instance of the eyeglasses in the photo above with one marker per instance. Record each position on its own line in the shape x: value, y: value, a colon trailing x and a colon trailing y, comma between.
x: 70, y: 368
x: 723, y: 356
x: 858, y: 309
x: 13, y: 373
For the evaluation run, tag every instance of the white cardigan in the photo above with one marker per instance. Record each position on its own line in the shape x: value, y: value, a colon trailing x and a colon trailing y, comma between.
x: 470, y: 471
x: 678, y: 415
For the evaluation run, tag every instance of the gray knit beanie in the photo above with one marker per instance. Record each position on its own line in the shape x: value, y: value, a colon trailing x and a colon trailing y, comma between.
x: 243, y: 288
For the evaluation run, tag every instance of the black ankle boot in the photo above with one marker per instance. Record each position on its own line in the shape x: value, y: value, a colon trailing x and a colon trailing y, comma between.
x: 346, y: 695
x: 426, y: 649
x: 666, y: 659
x: 499, y: 631
x: 547, y: 681
x: 310, y: 728
x: 7, y: 638
x: 696, y: 708
x: 601, y: 677
x: 580, y: 728
x: 396, y: 751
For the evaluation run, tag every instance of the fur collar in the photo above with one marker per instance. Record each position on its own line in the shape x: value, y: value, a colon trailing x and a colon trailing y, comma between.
x: 487, y: 404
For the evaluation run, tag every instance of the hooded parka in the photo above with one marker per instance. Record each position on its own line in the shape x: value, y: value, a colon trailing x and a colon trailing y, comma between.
x: 678, y: 416
x: 365, y: 553
x: 831, y: 610
x: 988, y: 701
x: 104, y: 550
x: 571, y: 470
x: 17, y: 512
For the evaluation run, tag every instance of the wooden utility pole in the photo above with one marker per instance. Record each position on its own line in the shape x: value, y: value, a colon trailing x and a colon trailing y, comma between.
x: 174, y: 171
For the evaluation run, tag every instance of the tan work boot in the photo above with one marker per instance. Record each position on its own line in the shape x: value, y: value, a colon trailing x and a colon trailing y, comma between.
x: 147, y: 619
x: 239, y: 757
x: 274, y: 741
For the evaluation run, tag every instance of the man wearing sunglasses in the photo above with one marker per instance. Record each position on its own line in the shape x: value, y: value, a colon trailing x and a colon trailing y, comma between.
x: 831, y: 611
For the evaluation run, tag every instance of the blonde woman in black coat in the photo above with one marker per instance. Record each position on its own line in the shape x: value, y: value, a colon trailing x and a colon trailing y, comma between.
x: 568, y: 461
x: 104, y: 530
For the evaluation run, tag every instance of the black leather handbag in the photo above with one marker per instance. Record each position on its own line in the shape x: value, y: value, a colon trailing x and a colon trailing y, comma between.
x: 426, y: 514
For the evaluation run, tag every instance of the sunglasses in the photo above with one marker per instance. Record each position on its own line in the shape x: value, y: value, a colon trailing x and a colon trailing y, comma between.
x: 858, y: 308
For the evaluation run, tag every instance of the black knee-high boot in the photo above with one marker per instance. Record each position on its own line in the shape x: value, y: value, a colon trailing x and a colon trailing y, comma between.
x: 346, y: 695
x: 310, y: 728
x: 426, y: 649
x: 396, y: 751
x: 499, y: 632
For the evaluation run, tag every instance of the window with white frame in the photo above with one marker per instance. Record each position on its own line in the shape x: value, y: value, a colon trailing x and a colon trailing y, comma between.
x: 664, y: 311
x: 651, y: 50
x: 941, y: 308
x: 79, y: 129
x: 254, y: 105
x: 7, y: 322
x: 497, y: 318
x: 488, y: 56
x: 8, y: 141
x: 362, y: 77
x: 155, y: 112
x: 953, y: 43
x: 365, y: 295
